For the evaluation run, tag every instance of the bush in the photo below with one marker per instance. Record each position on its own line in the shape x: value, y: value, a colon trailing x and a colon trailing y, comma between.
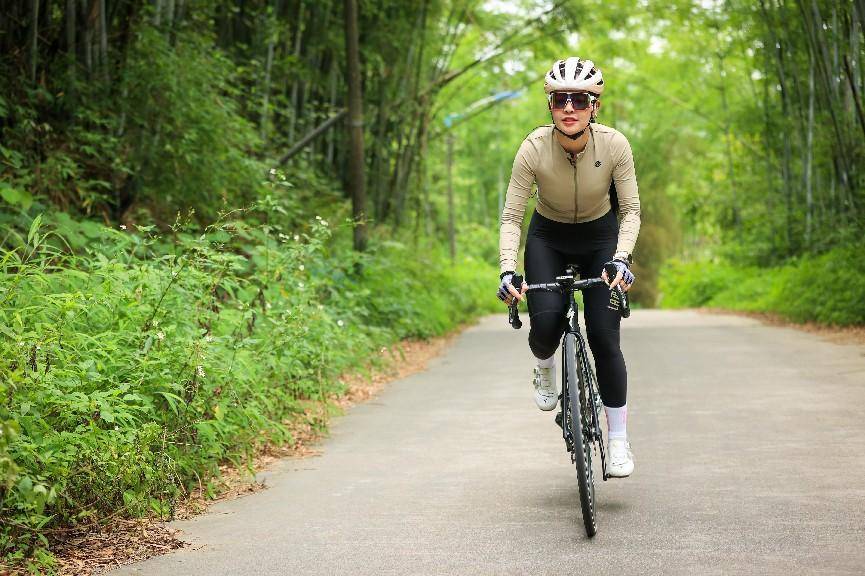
x: 135, y: 363
x: 805, y: 290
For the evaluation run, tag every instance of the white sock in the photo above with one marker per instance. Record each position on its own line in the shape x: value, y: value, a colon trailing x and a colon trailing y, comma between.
x: 548, y: 363
x: 617, y: 422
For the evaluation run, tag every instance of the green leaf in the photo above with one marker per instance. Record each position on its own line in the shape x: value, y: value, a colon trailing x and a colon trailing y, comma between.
x: 34, y: 228
x: 25, y: 485
x: 173, y: 400
x: 15, y: 196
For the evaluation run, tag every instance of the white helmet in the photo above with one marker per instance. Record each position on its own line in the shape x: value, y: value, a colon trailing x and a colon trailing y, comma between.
x: 574, y: 74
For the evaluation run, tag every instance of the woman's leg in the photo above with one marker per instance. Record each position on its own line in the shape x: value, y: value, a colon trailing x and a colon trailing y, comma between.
x: 603, y: 319
x: 546, y: 309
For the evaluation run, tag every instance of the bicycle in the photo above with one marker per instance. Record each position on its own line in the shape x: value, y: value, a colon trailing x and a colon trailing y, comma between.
x: 579, y: 417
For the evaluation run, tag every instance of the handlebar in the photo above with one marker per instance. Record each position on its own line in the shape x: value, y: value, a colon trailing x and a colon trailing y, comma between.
x: 563, y: 284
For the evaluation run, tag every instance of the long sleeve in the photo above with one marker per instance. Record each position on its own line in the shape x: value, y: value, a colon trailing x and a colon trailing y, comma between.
x: 519, y: 191
x: 625, y: 178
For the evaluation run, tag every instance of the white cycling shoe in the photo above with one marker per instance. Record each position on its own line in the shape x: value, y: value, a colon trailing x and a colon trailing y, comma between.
x: 546, y: 392
x: 620, y: 459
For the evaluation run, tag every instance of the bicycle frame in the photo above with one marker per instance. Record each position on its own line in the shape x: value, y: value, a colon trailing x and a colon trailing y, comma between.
x: 594, y: 434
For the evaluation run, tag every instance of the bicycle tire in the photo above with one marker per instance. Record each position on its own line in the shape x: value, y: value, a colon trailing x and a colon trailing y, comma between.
x: 582, y: 454
x: 593, y: 424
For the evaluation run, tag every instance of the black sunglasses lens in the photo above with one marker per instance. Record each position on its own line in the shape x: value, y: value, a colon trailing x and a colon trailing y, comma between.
x: 579, y: 100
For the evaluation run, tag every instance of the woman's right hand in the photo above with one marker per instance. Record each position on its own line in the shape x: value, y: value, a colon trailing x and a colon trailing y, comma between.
x: 507, y: 292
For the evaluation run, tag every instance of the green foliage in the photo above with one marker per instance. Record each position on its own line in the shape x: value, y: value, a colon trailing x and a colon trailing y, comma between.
x: 135, y: 363
x: 805, y: 290
x: 188, y: 144
x: 165, y: 135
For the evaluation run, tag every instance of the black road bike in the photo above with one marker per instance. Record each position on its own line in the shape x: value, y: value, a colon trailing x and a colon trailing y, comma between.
x: 580, y: 401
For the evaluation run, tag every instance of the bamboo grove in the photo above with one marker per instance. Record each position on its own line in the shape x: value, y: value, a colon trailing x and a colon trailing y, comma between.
x: 115, y: 71
x: 814, y: 123
x: 119, y: 108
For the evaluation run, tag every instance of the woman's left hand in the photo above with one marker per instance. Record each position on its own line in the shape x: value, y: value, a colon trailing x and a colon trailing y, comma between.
x: 624, y: 277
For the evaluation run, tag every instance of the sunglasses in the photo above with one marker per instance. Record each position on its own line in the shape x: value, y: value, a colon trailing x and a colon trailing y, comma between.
x: 579, y: 100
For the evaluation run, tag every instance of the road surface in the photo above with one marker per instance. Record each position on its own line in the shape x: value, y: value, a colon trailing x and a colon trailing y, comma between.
x: 749, y: 444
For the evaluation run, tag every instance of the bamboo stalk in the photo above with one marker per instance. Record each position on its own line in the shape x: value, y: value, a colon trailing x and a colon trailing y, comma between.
x: 33, y: 38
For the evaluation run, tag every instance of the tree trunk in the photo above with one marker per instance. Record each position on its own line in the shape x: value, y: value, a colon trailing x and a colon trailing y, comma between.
x: 312, y: 135
x: 381, y: 153
x: 71, y: 48
x: 729, y: 137
x: 331, y: 137
x: 857, y: 101
x: 33, y: 38
x: 88, y: 36
x: 270, y: 26
x: 452, y: 236
x: 298, y: 35
x: 809, y: 191
x: 103, y: 40
x: 355, y: 105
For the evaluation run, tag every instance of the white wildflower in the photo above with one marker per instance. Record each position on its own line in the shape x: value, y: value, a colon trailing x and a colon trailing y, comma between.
x: 324, y: 222
x: 340, y: 323
x: 300, y: 285
x: 199, y: 370
x: 208, y: 338
x: 123, y: 226
x: 301, y: 268
x: 160, y: 335
x: 318, y: 217
x: 155, y: 323
x: 273, y: 171
x: 296, y: 237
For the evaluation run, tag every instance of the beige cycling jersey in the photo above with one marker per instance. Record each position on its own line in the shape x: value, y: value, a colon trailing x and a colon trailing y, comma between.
x: 571, y: 189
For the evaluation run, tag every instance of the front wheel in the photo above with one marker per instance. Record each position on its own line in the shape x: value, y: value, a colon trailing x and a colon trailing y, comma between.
x: 582, y: 454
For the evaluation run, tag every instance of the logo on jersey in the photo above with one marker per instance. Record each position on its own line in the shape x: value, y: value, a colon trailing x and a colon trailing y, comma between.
x: 598, y: 164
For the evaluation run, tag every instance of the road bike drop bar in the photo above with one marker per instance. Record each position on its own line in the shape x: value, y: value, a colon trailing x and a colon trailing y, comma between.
x: 564, y: 284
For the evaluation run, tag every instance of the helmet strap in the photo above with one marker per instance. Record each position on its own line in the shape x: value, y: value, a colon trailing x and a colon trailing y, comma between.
x: 571, y: 136
x: 578, y: 134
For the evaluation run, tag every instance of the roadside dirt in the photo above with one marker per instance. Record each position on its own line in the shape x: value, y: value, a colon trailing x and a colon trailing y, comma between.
x: 834, y: 334
x: 95, y: 549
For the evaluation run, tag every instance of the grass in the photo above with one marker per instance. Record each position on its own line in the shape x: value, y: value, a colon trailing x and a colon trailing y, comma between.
x: 825, y: 289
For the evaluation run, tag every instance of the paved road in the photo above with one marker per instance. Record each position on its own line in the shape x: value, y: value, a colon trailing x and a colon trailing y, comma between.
x: 750, y: 459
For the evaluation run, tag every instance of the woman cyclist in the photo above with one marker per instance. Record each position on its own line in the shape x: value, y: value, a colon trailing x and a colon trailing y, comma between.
x: 574, y: 161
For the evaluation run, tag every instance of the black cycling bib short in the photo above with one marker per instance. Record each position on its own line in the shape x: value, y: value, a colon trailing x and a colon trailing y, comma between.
x: 550, y: 247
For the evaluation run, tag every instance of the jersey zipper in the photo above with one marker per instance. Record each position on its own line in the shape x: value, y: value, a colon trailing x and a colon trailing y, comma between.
x: 576, y: 194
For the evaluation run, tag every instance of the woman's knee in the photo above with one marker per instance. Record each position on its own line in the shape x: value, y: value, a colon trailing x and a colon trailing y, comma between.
x: 544, y: 335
